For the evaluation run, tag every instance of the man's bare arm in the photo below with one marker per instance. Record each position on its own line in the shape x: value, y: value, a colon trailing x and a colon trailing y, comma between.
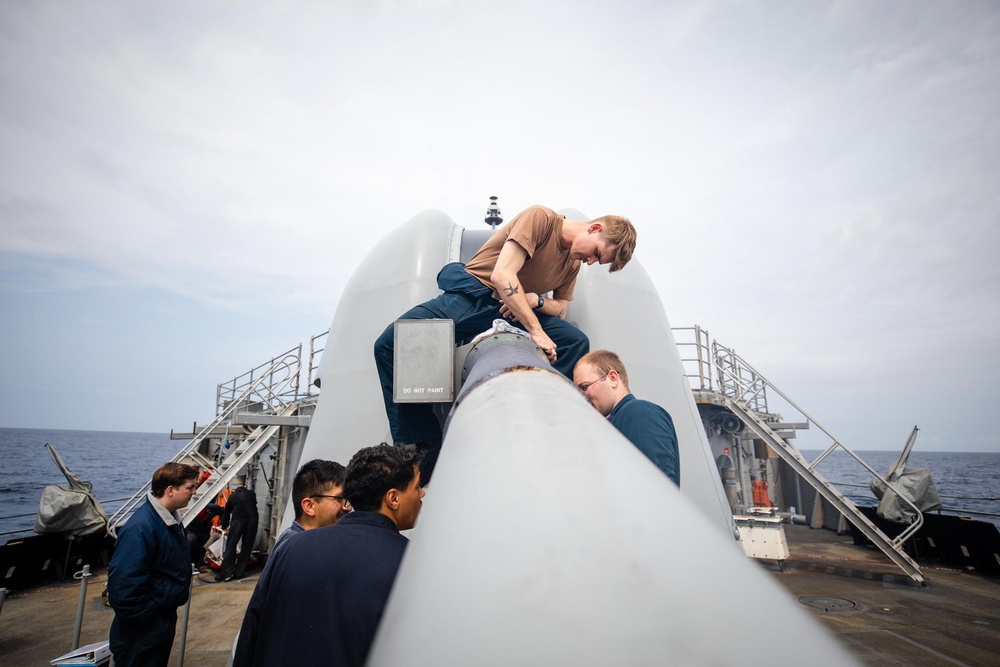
x: 507, y: 285
x: 554, y: 307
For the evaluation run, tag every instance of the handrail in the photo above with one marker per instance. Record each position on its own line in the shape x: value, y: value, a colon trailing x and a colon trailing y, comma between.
x: 230, y: 391
x: 748, y: 386
x: 268, y: 393
x: 743, y: 383
x: 313, y: 366
x: 702, y: 359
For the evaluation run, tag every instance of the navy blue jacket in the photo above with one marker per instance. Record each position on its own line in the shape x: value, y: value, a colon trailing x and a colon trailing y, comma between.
x: 321, y: 596
x: 150, y: 569
x: 650, y: 428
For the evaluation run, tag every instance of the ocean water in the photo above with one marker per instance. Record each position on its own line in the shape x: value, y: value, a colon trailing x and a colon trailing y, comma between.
x: 118, y: 463
x: 968, y: 483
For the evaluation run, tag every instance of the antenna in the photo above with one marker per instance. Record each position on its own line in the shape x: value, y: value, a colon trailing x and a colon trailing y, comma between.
x: 494, y: 218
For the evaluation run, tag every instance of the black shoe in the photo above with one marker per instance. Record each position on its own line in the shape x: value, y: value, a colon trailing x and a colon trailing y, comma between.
x: 218, y: 577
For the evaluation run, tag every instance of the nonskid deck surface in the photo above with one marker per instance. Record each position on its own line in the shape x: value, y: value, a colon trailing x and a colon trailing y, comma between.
x: 855, y: 592
x: 37, y: 625
x: 880, y: 615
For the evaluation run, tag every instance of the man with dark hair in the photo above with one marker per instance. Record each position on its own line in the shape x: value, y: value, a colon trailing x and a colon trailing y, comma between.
x: 602, y: 378
x: 150, y: 572
x: 318, y: 498
x: 321, y: 596
x: 537, y: 252
x: 240, y: 517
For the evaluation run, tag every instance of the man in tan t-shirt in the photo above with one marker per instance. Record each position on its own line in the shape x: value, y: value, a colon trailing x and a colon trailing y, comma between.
x: 537, y: 252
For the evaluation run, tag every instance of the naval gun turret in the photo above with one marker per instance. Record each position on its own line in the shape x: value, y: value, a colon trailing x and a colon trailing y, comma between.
x: 546, y: 537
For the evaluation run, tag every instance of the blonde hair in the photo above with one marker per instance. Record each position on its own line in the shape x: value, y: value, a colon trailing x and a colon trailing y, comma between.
x: 621, y: 233
x: 605, y: 361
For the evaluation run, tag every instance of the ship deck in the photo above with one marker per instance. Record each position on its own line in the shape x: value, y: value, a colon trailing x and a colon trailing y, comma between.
x: 883, y: 618
x: 855, y: 592
x: 37, y: 625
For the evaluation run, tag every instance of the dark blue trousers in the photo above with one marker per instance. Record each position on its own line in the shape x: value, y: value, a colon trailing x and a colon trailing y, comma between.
x: 470, y: 305
x: 242, y: 532
x: 145, y: 644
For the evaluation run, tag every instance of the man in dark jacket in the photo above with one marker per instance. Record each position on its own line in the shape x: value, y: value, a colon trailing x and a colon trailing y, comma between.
x: 240, y: 517
x: 602, y: 378
x: 321, y: 596
x: 150, y: 573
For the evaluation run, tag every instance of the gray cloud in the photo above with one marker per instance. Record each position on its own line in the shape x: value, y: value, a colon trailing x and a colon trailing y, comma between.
x: 815, y: 182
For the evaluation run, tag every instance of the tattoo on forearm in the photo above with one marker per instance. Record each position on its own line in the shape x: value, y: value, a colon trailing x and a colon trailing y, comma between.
x: 512, y: 289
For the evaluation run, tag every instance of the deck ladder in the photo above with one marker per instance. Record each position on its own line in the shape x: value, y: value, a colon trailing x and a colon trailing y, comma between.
x: 236, y: 461
x: 743, y: 390
x: 270, y: 389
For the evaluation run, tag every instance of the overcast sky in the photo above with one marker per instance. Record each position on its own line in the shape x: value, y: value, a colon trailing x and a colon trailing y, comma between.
x: 185, y: 188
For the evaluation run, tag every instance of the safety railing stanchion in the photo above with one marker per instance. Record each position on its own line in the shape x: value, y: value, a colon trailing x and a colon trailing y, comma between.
x: 185, y: 615
x: 82, y: 575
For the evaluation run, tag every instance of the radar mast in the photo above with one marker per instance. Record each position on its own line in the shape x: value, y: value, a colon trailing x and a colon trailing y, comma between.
x: 494, y: 218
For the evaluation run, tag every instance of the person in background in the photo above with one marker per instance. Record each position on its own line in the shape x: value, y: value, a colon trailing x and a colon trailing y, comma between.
x: 199, y: 530
x: 240, y: 517
x: 150, y: 572
x: 602, y: 378
x: 318, y: 497
x: 321, y: 596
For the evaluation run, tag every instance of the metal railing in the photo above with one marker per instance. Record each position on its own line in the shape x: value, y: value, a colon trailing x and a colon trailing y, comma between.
x: 314, y: 352
x: 268, y: 388
x: 31, y: 529
x: 945, y: 509
x: 265, y: 388
x: 739, y: 381
x: 701, y: 362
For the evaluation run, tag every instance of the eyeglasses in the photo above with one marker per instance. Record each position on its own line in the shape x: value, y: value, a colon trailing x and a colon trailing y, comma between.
x: 340, y: 498
x: 584, y: 386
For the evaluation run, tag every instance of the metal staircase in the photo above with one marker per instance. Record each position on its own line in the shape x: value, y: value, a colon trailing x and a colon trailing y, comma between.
x: 272, y: 392
x: 236, y: 461
x: 743, y: 392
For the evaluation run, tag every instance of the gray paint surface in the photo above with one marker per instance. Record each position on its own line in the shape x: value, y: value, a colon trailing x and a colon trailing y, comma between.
x: 549, y: 540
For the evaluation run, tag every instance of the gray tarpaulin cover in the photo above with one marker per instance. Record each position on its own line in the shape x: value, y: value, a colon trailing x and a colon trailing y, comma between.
x: 69, y: 508
x: 916, y: 484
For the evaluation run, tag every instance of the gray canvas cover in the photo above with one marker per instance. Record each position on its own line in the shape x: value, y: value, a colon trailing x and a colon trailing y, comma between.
x: 69, y: 508
x: 916, y: 485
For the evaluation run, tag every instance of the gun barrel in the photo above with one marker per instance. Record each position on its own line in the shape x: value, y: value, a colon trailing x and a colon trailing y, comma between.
x: 553, y: 540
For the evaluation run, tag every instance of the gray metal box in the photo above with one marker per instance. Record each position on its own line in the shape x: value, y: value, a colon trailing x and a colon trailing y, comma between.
x: 423, y: 361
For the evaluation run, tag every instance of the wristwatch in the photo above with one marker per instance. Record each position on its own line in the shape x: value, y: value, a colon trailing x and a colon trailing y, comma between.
x: 541, y: 302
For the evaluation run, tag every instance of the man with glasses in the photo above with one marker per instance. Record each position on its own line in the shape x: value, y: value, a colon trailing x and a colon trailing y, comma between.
x: 150, y: 572
x: 318, y: 498
x: 321, y: 596
x: 602, y: 378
